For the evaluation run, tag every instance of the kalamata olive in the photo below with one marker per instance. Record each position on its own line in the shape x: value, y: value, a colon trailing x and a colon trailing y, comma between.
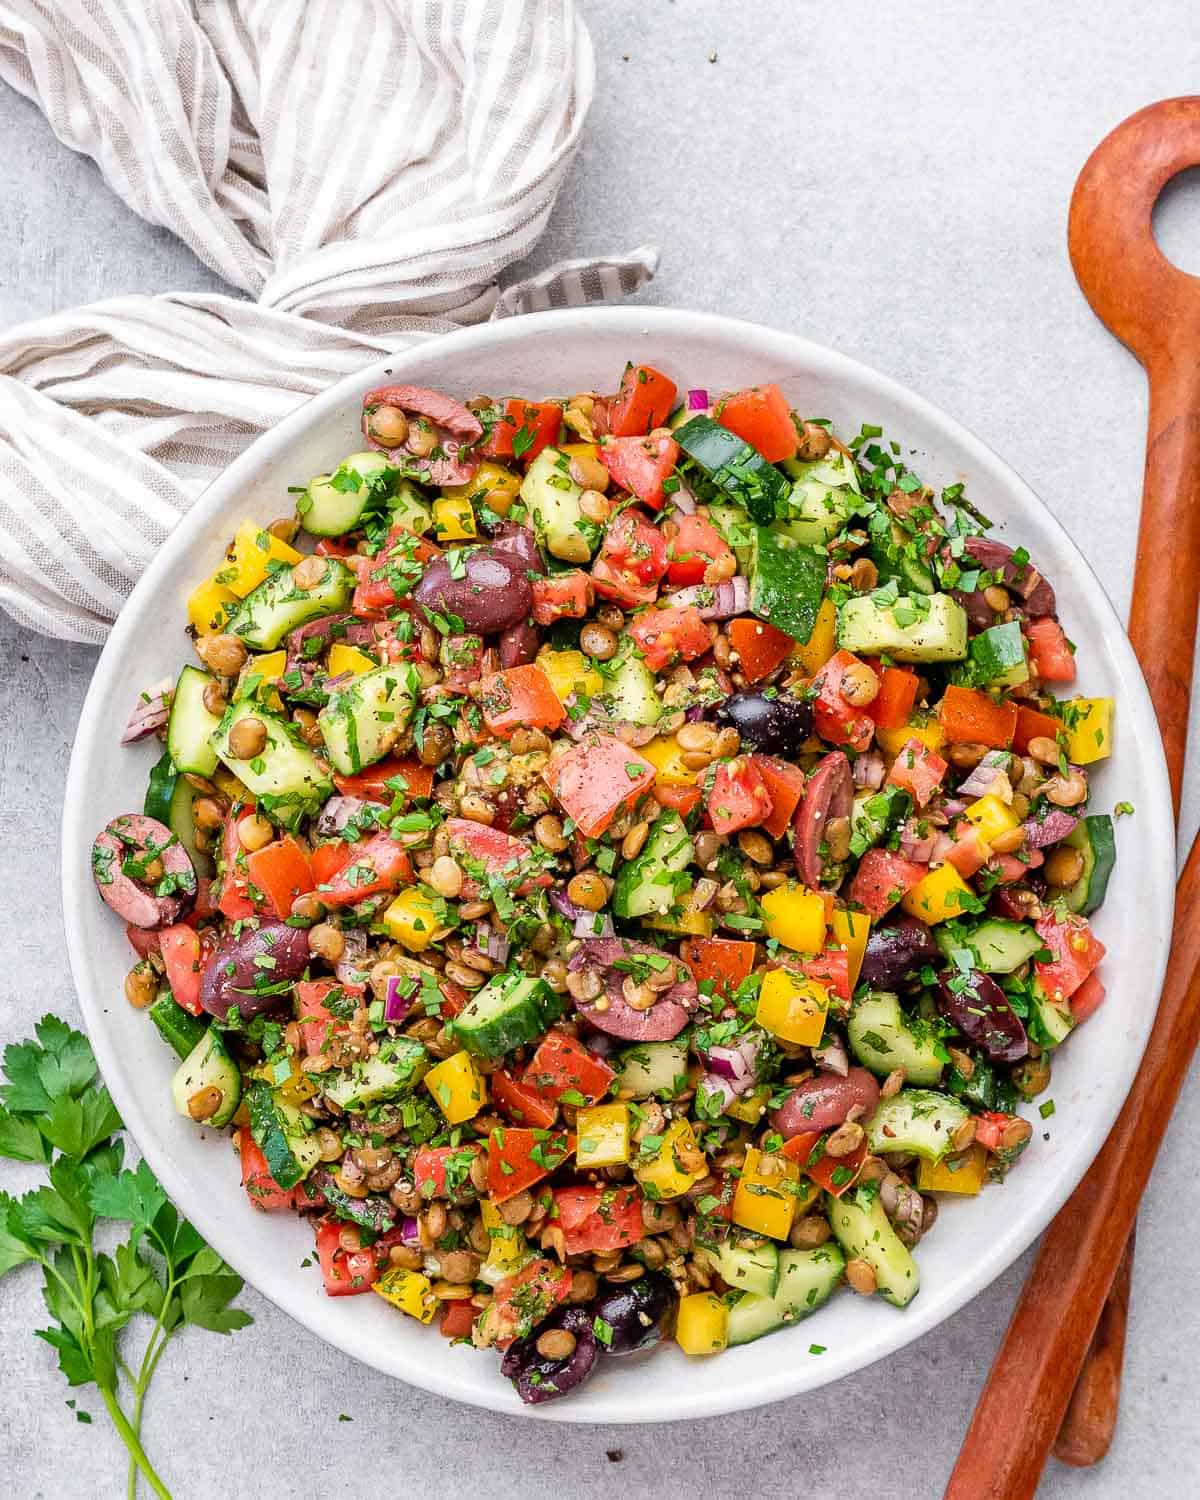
x: 142, y: 871
x: 490, y: 593
x: 1033, y: 592
x: 823, y: 1102
x: 828, y: 794
x: 247, y: 970
x: 635, y: 1312
x: 439, y: 408
x: 519, y: 644
x: 664, y: 1020
x: 895, y: 952
x: 508, y: 536
x: 776, y: 725
x: 981, y: 1011
x: 455, y: 427
x: 538, y: 1378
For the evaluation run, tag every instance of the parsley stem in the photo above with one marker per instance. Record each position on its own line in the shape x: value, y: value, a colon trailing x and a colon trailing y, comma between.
x: 130, y: 1439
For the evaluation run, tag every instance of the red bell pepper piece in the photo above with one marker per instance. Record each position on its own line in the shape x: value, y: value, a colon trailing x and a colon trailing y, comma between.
x: 180, y: 948
x: 234, y: 900
x: 597, y: 779
x: 696, y: 545
x: 561, y: 596
x: 392, y: 574
x: 642, y: 403
x: 517, y: 1158
x: 882, y: 878
x: 484, y: 851
x: 971, y: 717
x: 281, y: 871
x: 665, y: 636
x: 264, y: 1192
x: 835, y: 720
x: 372, y: 784
x: 458, y: 1318
x: 347, y: 1273
x: 896, y: 697
x: 785, y: 783
x: 1076, y: 953
x: 723, y: 961
x: 519, y: 698
x: 1050, y: 653
x: 377, y: 865
x: 830, y: 968
x: 521, y: 1103
x: 760, y: 647
x: 562, y: 1064
x: 1032, y: 725
x: 760, y: 416
x: 598, y: 1219
x: 918, y: 770
x: 1009, y: 868
x: 527, y: 426
x: 641, y: 465
x: 327, y: 859
x: 739, y: 797
x: 681, y: 799
x: 836, y: 1174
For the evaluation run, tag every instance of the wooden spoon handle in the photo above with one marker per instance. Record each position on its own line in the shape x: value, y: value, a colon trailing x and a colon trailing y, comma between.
x: 1087, y: 1430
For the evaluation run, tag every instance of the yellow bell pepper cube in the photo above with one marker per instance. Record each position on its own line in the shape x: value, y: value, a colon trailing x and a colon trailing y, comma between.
x: 490, y: 478
x: 943, y: 893
x: 796, y: 917
x: 343, y: 658
x: 580, y: 450
x: 702, y: 1324
x: 209, y: 607
x: 268, y: 667
x: 991, y: 816
x: 508, y: 1248
x: 666, y: 756
x: 675, y: 1165
x: 453, y: 519
x: 248, y: 559
x: 792, y: 1007
x: 765, y: 1199
x: 228, y: 784
x: 569, y: 673
x: 684, y: 918
x: 1089, y: 729
x: 409, y: 1291
x: 963, y: 1173
x: 458, y: 1090
x: 289, y: 1079
x: 852, y: 928
x: 750, y: 1107
x: 930, y: 733
x: 602, y: 1136
x: 413, y: 919
x: 812, y: 655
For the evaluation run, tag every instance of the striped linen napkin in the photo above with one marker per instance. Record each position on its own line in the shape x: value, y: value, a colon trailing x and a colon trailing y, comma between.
x: 362, y: 169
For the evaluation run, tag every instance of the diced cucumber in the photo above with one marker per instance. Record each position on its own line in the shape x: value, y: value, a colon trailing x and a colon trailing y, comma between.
x: 734, y: 468
x: 398, y: 1066
x: 648, y: 884
x: 896, y: 555
x: 999, y: 946
x: 883, y: 1038
x: 921, y: 628
x: 169, y: 798
x: 190, y: 726
x: 753, y: 1270
x: 737, y: 530
x: 1050, y: 1024
x: 919, y: 1121
x: 861, y: 1227
x: 823, y: 495
x: 362, y: 719
x: 874, y: 815
x: 178, y: 1028
x: 208, y: 1065
x: 986, y: 1089
x: 1093, y: 837
x: 336, y: 503
x: 552, y: 498
x: 998, y: 656
x: 409, y: 508
x: 651, y: 1068
x: 787, y: 583
x: 285, y: 775
x: 631, y: 692
x: 282, y: 1134
x: 276, y: 606
x: 807, y: 1280
x: 511, y: 1009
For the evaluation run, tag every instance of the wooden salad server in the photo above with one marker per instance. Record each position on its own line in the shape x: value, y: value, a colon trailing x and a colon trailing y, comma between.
x: 1063, y: 1330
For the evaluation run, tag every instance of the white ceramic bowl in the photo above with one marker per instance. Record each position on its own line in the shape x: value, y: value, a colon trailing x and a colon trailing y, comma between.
x: 975, y: 1239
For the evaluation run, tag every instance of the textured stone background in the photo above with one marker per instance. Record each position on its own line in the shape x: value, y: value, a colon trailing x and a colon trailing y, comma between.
x: 892, y: 180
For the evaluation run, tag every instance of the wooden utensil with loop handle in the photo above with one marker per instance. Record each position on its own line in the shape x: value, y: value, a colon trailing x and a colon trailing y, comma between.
x: 1086, y: 1255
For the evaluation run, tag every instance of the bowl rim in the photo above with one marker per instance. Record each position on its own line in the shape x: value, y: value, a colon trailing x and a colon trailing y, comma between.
x: 294, y: 1295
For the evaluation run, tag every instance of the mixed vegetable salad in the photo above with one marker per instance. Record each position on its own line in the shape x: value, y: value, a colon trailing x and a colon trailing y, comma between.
x: 614, y: 864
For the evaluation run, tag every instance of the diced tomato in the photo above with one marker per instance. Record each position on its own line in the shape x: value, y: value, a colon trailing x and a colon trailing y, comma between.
x: 1087, y: 999
x: 681, y: 799
x: 523, y: 1301
x: 695, y: 546
x: 461, y: 657
x: 968, y: 853
x: 391, y: 576
x: 785, y: 783
x: 643, y: 402
x: 990, y: 1126
x: 522, y: 1104
x: 281, y: 872
x: 484, y: 851
x: 971, y: 717
x: 180, y: 947
x: 442, y: 1171
x: 760, y: 417
x: 1032, y: 725
x: 527, y: 425
x: 454, y: 998
x: 346, y: 1272
x: 334, y: 546
x: 1049, y: 651
x: 317, y: 1023
x: 830, y: 968
x: 1076, y: 953
x: 561, y: 596
x: 520, y: 698
x: 145, y: 942
x: 264, y: 1192
x: 665, y: 636
x: 234, y: 900
x: 835, y: 720
x: 596, y: 779
x: 598, y: 1219
x: 378, y: 864
x: 372, y: 784
x: 327, y: 859
x: 641, y: 465
x: 1009, y: 868
x: 517, y: 1158
x: 896, y: 697
x: 632, y: 560
x: 882, y: 878
x: 760, y: 647
x: 562, y: 1065
x: 458, y: 1318
x: 739, y: 797
x: 724, y: 961
x: 918, y: 770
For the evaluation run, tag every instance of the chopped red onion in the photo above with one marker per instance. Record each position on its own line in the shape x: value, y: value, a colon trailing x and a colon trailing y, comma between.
x: 713, y: 1083
x: 585, y: 925
x: 1055, y: 826
x: 490, y: 943
x: 735, y: 1064
x: 401, y: 992
x: 716, y: 601
x: 697, y: 400
x: 410, y: 1232
x: 831, y: 1058
x: 987, y: 781
x: 869, y: 770
x: 916, y: 844
x: 683, y: 500
x: 336, y: 813
x: 150, y: 713
x: 942, y: 845
x: 355, y: 950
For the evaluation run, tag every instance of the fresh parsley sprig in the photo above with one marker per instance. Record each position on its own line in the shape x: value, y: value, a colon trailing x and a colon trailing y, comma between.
x: 55, y: 1113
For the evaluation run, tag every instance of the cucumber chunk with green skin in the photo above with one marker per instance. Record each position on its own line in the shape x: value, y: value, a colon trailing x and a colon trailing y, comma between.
x: 807, y: 1280
x: 734, y: 468
x: 396, y: 1068
x: 362, y: 719
x: 895, y: 554
x: 277, y: 606
x: 285, y: 775
x: 883, y: 1039
x: 551, y: 497
x: 862, y: 1229
x: 999, y: 946
x: 170, y: 798
x: 824, y: 493
x: 281, y: 1133
x: 1094, y: 839
x: 787, y: 584
x: 631, y: 692
x: 874, y: 815
x: 919, y: 1121
x: 737, y: 531
x: 651, y: 1068
x: 748, y: 1269
x: 190, y: 726
x: 1049, y: 1024
x: 511, y: 1009
x: 921, y: 628
x: 647, y: 885
x: 998, y: 656
x: 986, y: 1089
x: 336, y: 503
x: 208, y: 1065
x: 178, y: 1028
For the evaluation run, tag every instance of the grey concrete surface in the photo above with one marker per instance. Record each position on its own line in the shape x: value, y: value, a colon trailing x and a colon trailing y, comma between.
x: 892, y: 180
